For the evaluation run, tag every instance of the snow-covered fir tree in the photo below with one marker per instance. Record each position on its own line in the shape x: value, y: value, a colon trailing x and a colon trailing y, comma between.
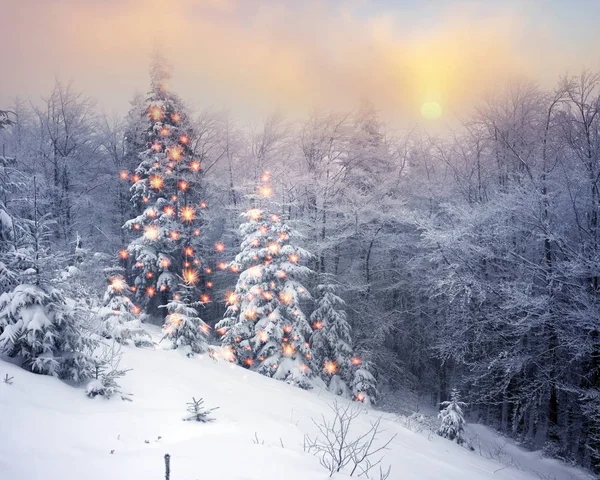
x: 264, y: 326
x: 166, y: 193
x: 119, y: 317
x: 453, y: 420
x: 364, y: 383
x: 331, y: 340
x: 183, y: 325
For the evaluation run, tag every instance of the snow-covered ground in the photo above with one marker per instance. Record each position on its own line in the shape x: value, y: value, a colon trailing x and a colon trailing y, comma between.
x: 50, y: 430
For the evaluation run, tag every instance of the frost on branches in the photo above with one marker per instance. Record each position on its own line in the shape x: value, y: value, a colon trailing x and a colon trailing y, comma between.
x: 165, y: 193
x: 183, y: 326
x: 453, y: 420
x: 40, y: 328
x: 264, y: 326
x: 119, y: 317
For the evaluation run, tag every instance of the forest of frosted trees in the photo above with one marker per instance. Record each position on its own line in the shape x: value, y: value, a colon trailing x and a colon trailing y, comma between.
x: 468, y: 260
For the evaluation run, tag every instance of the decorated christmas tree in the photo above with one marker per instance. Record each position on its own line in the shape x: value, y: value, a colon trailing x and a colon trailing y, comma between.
x: 183, y: 326
x: 264, y: 326
x: 166, y: 195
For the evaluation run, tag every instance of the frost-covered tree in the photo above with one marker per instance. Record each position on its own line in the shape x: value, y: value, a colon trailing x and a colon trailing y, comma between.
x: 453, y: 420
x: 364, y: 383
x: 166, y: 192
x: 119, y: 318
x: 183, y: 325
x: 331, y: 341
x: 264, y: 325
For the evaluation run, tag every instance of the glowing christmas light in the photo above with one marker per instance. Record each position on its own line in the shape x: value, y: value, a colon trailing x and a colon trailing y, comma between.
x: 268, y: 295
x: 151, y: 232
x: 254, y: 214
x: 156, y: 113
x: 265, y: 177
x: 288, y: 350
x: 222, y: 331
x: 249, y: 362
x: 135, y: 178
x: 133, y: 288
x: 272, y: 284
x: 175, y: 153
x: 287, y: 328
x: 205, y: 328
x: 265, y: 191
x: 168, y: 171
x: 196, y: 232
x: 123, y: 254
x: 318, y: 325
x: 231, y: 298
x: 281, y: 274
x: 307, y: 355
x: 263, y: 336
x: 149, y: 275
x: 255, y: 242
x: 330, y: 367
x: 251, y: 314
x: 205, y: 298
x: 208, y: 270
x: 285, y: 339
x: 124, y: 174
x: 219, y: 247
x: 157, y: 182
x: 285, y: 297
x: 136, y: 310
x: 164, y: 131
x: 189, y: 251
x: 177, y: 296
x: 275, y: 218
x: 182, y: 185
x: 118, y: 283
x: 184, y: 139
x: 165, y: 262
x: 136, y: 226
x: 190, y: 276
x: 283, y: 236
x: 234, y: 268
x: 174, y: 235
x: 186, y: 264
x: 273, y: 248
x: 169, y: 210
x: 174, y: 198
x: 263, y: 229
x: 222, y: 266
x: 356, y: 361
x: 152, y: 213
x: 150, y: 291
x: 196, y: 261
x: 304, y: 367
x: 156, y: 165
x: 360, y: 396
x: 209, y: 284
x: 293, y: 258
x: 176, y: 117
x: 195, y: 166
x: 139, y: 264
x: 145, y: 199
x: 156, y: 146
x: 188, y: 214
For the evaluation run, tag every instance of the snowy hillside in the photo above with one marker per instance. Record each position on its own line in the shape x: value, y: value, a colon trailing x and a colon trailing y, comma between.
x: 52, y: 431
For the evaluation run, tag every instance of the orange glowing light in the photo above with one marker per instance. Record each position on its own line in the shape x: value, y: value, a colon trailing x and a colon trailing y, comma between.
x: 330, y: 367
x: 265, y: 177
x: 169, y: 211
x: 157, y: 182
x: 139, y: 264
x: 283, y: 236
x: 263, y: 229
x: 287, y: 328
x: 318, y: 325
x: 156, y: 113
x: 124, y: 174
x: 356, y: 361
x: 149, y: 275
x: 360, y: 397
x: 174, y: 235
x: 182, y: 185
x: 164, y: 131
x: 249, y: 362
x: 203, y: 205
x: 186, y: 264
x: 195, y: 166
x: 145, y: 199
x: 255, y: 242
x: 205, y: 298
x: 275, y: 218
x: 281, y: 274
x: 118, y: 283
x: 135, y: 178
x: 189, y: 251
x: 263, y: 336
x: 136, y: 310
x: 231, y: 298
x: 222, y: 331
x: 152, y: 212
x: 293, y: 258
x: 190, y: 276
x: 184, y: 139
x: 288, y: 350
x: 205, y: 328
x: 222, y: 266
x: 251, y: 314
x: 163, y: 288
x: 151, y: 232
x: 165, y: 262
x: 196, y: 261
x: 285, y: 297
x: 265, y: 191
x: 268, y: 295
x: 254, y: 214
x: 196, y: 232
x: 304, y: 367
x: 175, y: 153
x: 209, y: 284
x: 188, y: 214
x: 150, y: 291
x: 234, y: 268
x: 136, y: 226
x: 219, y: 247
x: 273, y: 248
x: 156, y: 146
x: 174, y: 198
x: 176, y: 117
x: 177, y: 296
x: 123, y: 254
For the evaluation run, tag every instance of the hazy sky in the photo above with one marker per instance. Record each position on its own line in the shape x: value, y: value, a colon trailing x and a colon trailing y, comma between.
x: 258, y: 55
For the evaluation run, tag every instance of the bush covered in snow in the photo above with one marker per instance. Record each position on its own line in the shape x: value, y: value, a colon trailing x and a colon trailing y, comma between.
x: 453, y: 420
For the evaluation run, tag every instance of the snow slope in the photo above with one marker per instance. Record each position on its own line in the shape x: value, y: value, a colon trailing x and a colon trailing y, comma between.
x: 49, y: 430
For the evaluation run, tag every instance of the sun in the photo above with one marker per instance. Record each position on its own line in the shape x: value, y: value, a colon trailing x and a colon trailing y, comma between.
x: 431, y: 110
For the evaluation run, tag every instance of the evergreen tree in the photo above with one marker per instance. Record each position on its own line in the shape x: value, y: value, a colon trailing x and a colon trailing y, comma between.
x: 183, y: 326
x: 331, y: 340
x: 364, y: 383
x: 119, y: 317
x: 166, y: 193
x: 264, y: 325
x: 453, y: 420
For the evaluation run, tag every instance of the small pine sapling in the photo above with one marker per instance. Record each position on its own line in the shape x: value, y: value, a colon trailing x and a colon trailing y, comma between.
x: 106, y: 373
x: 197, y: 412
x: 453, y: 420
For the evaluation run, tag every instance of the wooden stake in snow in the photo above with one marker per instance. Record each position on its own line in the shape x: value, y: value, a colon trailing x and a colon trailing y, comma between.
x: 167, y: 466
